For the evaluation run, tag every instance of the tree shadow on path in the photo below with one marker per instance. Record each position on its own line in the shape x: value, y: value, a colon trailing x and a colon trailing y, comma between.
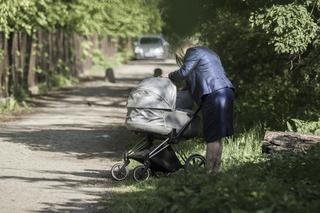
x: 97, y: 139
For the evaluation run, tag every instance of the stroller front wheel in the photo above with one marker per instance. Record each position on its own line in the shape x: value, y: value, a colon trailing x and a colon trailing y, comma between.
x: 141, y: 173
x: 119, y: 171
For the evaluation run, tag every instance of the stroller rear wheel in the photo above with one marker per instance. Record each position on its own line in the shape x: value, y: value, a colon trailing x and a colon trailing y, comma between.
x: 141, y: 173
x: 195, y: 160
x: 119, y: 171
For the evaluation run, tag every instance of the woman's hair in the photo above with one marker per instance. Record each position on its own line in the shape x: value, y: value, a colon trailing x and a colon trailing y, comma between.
x: 181, y: 51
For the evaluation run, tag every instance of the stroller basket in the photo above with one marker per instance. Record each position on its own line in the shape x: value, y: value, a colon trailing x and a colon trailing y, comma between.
x: 165, y: 161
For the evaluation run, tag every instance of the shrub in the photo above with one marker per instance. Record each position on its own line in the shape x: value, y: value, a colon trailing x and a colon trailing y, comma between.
x: 311, y: 127
x: 282, y: 183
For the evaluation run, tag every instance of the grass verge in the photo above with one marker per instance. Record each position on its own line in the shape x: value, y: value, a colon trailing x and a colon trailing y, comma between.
x: 248, y: 182
x: 10, y: 108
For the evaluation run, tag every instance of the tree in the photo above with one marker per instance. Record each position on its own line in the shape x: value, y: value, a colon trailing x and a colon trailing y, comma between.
x: 52, y: 30
x: 270, y: 49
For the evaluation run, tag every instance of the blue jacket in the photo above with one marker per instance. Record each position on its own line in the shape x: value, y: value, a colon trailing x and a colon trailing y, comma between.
x: 203, y: 71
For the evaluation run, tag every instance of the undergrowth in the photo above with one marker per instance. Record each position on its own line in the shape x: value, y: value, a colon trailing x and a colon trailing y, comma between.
x: 248, y: 182
x: 11, y: 106
x: 56, y: 81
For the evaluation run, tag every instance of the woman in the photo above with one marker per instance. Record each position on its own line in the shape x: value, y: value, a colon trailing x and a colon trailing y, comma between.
x: 210, y: 88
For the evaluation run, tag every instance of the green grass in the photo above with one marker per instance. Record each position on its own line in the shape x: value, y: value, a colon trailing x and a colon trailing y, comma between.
x: 57, y: 81
x: 11, y: 105
x: 248, y: 182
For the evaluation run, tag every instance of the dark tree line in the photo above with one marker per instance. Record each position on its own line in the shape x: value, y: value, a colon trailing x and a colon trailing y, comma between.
x: 270, y: 49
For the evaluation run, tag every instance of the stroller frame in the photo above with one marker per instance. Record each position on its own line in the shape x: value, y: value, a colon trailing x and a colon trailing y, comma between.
x: 120, y: 171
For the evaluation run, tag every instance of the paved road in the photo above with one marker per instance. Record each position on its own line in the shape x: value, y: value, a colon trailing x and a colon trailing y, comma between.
x: 57, y: 159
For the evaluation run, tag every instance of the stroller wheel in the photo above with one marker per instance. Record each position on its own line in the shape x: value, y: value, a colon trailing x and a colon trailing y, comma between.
x: 141, y: 173
x: 195, y: 160
x: 119, y: 171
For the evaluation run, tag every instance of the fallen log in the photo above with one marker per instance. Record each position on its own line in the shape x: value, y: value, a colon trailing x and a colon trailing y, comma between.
x: 275, y: 142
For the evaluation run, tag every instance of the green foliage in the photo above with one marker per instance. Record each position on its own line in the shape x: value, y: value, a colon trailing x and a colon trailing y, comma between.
x: 20, y: 94
x: 12, y: 105
x: 59, y: 80
x: 290, y: 28
x: 124, y: 18
x: 101, y: 60
x: 192, y: 146
x: 246, y: 147
x: 181, y: 19
x: 249, y: 183
x: 61, y: 77
x: 131, y: 18
x: 308, y: 127
x: 22, y: 15
x: 269, y: 49
x: 56, y: 21
x: 56, y: 80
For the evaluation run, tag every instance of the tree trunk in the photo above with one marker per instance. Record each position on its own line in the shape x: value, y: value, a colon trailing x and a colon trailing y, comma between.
x: 50, y: 52
x: 11, y: 49
x: 2, y: 64
x: 5, y: 67
x: 87, y: 64
x: 66, y: 51
x: 39, y: 57
x: 60, y: 44
x: 31, y: 75
x: 20, y: 54
x: 28, y: 59
x: 275, y: 142
x: 78, y: 55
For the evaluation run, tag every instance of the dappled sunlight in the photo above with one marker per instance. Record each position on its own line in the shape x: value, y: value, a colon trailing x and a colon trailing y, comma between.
x: 82, y: 82
x: 82, y: 143
x: 278, y: 183
x: 61, y: 153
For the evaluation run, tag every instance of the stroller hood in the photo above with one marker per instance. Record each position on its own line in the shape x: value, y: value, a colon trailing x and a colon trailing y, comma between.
x: 152, y: 108
x: 153, y: 93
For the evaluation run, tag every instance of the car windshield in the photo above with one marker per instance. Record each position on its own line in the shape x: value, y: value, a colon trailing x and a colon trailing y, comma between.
x: 150, y: 40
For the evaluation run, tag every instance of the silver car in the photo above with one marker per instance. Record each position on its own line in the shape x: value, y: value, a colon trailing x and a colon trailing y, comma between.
x: 151, y: 46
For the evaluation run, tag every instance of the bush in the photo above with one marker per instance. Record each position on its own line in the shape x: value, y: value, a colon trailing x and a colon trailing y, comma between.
x: 282, y: 183
x: 308, y: 127
x: 12, y: 105
x: 239, y: 150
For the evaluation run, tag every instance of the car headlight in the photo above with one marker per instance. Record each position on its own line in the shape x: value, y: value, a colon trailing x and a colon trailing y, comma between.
x: 138, y: 50
x: 159, y: 50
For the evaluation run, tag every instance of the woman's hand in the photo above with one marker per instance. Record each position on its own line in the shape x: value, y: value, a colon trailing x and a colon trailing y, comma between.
x: 170, y: 77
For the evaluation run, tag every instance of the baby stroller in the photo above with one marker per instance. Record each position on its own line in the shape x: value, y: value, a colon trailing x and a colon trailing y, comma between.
x: 158, y: 112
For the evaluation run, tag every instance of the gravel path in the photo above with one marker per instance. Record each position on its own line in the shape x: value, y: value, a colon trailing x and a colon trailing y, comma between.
x: 58, y: 158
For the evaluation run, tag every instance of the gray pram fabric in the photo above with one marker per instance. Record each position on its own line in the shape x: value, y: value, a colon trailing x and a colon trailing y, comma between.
x: 184, y: 100
x: 153, y: 93
x: 152, y: 108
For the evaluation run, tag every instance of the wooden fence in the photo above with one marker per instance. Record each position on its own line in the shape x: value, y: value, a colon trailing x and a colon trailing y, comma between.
x: 26, y: 61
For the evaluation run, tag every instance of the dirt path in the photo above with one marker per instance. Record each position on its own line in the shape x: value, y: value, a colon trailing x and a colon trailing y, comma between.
x: 58, y: 158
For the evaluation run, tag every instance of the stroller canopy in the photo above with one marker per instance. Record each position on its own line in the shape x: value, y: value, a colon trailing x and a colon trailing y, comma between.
x: 153, y: 93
